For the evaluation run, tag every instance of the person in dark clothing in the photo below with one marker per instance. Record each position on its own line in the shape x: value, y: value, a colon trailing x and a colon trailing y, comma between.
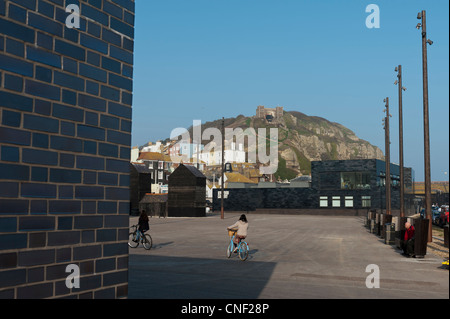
x: 408, y: 240
x: 143, y: 223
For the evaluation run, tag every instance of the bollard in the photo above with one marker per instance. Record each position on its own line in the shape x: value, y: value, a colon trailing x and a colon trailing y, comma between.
x: 372, y: 226
x: 386, y: 219
x: 377, y: 224
x: 421, y: 237
x: 382, y: 230
x: 389, y: 238
x: 367, y: 221
x: 446, y: 235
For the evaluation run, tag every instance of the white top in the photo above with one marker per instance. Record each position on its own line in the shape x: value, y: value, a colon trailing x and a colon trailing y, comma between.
x: 241, y: 228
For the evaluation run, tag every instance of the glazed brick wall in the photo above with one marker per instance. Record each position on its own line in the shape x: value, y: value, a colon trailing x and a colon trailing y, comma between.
x: 65, y: 134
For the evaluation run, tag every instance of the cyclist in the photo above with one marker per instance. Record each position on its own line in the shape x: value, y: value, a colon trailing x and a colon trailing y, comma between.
x: 143, y: 224
x: 241, y: 226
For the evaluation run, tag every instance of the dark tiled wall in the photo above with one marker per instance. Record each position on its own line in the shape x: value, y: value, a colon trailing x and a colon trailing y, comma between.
x: 65, y: 134
x: 249, y: 199
x: 326, y: 181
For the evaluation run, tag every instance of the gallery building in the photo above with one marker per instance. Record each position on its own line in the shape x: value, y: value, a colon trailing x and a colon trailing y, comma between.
x: 357, y: 185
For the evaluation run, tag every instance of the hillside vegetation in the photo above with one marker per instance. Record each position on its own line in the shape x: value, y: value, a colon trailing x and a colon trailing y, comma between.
x: 302, y: 139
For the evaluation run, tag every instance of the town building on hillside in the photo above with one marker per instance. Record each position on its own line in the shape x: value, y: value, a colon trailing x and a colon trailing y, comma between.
x: 134, y: 154
x: 160, y: 166
x: 154, y: 148
x: 214, y: 157
x: 236, y: 180
x: 190, y: 149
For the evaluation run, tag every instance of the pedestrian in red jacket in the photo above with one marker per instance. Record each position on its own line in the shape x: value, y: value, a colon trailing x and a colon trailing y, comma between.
x: 408, y: 241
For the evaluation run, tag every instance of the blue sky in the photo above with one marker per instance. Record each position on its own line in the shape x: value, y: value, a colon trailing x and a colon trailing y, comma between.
x: 208, y: 59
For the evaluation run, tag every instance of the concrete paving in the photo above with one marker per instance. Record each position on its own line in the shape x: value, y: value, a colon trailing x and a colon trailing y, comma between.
x: 291, y: 257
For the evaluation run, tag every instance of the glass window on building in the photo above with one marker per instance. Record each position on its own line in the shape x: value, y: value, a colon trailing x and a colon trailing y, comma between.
x: 336, y: 201
x: 323, y: 201
x: 366, y: 201
x: 348, y: 201
x: 355, y: 180
x: 395, y: 180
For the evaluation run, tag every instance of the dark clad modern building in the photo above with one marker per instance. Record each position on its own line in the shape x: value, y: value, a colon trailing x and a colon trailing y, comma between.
x: 140, y: 184
x: 356, y: 185
x: 187, y: 192
x: 65, y: 133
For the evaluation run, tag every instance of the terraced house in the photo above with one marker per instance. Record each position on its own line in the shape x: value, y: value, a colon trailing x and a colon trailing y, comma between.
x: 65, y: 133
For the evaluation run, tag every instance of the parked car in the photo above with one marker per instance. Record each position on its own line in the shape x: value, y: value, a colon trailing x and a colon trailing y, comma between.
x: 444, y: 216
x: 435, y: 214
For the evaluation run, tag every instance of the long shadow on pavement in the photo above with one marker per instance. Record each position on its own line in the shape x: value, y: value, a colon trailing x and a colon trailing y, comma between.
x: 162, y: 277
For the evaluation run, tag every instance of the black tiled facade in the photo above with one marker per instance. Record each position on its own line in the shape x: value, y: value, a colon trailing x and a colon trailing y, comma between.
x: 65, y: 135
x: 327, y: 189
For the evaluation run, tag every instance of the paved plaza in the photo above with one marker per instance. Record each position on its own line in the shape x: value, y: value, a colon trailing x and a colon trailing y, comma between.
x: 291, y: 257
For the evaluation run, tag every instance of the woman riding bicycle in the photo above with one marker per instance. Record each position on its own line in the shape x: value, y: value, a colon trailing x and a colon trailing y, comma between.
x: 241, y: 226
x: 143, y: 224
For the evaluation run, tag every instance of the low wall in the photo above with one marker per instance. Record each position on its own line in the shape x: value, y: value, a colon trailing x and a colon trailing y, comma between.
x: 309, y: 211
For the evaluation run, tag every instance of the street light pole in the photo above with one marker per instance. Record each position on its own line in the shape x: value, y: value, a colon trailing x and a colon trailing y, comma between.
x: 223, y: 167
x: 426, y: 130
x: 445, y: 182
x: 387, y: 157
x: 400, y: 121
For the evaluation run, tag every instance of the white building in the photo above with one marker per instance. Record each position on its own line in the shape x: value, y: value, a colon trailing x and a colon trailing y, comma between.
x: 134, y: 154
x: 214, y: 156
x: 154, y: 148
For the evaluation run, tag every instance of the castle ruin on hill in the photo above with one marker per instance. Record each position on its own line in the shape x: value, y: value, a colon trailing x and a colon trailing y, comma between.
x: 271, y: 115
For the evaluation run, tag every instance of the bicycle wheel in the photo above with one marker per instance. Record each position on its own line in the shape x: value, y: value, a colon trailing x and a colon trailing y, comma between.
x: 132, y: 242
x: 230, y: 249
x: 147, y: 241
x: 243, y: 250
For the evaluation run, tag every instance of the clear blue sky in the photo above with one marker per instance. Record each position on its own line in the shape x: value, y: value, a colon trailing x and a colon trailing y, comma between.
x: 208, y: 59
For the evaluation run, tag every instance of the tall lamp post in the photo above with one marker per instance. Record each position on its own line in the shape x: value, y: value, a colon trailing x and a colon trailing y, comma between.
x: 223, y: 169
x: 426, y: 129
x: 445, y: 182
x: 387, y: 157
x: 400, y: 126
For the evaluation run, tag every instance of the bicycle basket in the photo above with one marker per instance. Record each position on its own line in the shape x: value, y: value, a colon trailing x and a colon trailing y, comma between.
x: 231, y: 232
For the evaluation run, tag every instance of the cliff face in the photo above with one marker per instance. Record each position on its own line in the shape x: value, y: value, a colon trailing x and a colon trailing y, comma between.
x: 319, y: 139
x: 302, y: 139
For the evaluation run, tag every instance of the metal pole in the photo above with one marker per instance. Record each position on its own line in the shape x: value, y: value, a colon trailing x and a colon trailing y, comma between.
x: 388, y: 161
x: 223, y: 167
x: 198, y: 147
x: 426, y: 129
x: 400, y: 121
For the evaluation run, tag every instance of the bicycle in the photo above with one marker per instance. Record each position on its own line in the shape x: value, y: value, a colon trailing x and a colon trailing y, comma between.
x: 134, y: 239
x: 242, y: 247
